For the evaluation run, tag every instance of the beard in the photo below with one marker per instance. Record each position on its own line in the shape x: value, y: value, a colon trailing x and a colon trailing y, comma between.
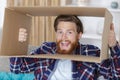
x: 72, y: 47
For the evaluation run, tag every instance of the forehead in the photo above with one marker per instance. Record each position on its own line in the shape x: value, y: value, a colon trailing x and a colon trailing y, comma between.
x: 66, y: 25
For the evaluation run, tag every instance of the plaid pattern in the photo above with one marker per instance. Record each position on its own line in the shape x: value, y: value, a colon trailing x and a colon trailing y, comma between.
x: 44, y: 68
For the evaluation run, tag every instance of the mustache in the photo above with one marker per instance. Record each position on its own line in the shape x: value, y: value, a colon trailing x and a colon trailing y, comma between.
x: 63, y: 41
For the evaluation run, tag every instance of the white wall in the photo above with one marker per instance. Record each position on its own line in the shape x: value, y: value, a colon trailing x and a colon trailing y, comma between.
x: 2, y: 7
x: 93, y: 27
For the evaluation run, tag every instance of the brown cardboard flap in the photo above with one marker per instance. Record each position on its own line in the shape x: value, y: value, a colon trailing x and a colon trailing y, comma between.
x: 54, y: 11
x: 16, y: 17
x: 107, y: 23
x: 13, y: 21
x: 60, y: 56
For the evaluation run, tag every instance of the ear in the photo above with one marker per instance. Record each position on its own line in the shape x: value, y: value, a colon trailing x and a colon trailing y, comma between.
x: 80, y: 35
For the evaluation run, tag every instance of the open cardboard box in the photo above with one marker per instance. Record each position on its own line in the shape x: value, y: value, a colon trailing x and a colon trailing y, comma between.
x: 20, y: 17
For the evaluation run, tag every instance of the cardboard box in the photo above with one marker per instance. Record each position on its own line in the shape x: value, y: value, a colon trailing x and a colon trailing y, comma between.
x: 17, y: 17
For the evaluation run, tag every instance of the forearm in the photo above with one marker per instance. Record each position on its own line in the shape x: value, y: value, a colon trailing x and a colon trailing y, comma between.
x: 110, y: 68
x: 15, y: 64
x: 115, y: 58
x: 21, y: 65
x: 115, y: 50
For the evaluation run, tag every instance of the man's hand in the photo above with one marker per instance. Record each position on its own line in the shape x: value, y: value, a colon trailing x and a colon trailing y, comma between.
x: 112, y: 38
x: 22, y: 35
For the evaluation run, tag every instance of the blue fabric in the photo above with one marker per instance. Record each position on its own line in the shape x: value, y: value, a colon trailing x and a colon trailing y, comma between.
x: 12, y: 76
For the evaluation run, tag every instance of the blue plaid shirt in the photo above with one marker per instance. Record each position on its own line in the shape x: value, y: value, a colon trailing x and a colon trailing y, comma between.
x: 44, y: 68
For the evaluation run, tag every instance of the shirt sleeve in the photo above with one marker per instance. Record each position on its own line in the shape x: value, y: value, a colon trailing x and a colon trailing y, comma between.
x: 110, y: 68
x: 25, y: 65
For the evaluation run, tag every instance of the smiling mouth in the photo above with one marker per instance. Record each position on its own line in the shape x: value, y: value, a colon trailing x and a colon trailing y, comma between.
x: 65, y: 43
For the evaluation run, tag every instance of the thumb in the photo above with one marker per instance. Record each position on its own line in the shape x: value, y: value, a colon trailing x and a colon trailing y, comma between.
x: 112, y: 38
x: 112, y: 27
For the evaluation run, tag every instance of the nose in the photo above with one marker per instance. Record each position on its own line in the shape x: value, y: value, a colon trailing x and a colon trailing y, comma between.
x: 64, y: 36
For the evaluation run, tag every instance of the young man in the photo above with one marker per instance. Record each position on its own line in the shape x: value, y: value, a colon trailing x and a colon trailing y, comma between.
x: 69, y: 30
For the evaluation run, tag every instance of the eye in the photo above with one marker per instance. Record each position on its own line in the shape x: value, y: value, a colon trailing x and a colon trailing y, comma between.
x: 70, y: 32
x: 59, y: 32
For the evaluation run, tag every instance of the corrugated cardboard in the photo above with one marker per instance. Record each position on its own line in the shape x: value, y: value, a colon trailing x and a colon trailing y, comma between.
x: 16, y: 17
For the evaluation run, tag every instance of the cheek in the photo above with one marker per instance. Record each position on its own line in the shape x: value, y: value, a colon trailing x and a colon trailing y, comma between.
x: 58, y: 38
x: 73, y: 38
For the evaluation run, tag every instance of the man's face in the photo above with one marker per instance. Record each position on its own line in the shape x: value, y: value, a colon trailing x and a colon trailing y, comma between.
x: 66, y: 37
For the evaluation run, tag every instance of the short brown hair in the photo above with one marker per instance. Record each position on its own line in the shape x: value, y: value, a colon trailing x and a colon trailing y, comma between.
x: 69, y: 18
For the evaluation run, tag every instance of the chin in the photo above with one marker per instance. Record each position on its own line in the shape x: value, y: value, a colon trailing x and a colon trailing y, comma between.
x: 65, y: 51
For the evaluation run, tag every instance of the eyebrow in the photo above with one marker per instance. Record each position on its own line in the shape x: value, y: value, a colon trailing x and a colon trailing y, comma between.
x: 68, y: 30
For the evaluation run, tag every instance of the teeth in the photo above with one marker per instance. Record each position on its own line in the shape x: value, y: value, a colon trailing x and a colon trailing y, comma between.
x: 64, y: 43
